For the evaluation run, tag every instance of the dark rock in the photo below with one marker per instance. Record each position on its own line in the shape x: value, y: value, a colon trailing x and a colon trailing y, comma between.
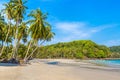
x: 13, y: 60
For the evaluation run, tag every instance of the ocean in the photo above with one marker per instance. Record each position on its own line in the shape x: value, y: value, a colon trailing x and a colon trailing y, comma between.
x: 109, y: 62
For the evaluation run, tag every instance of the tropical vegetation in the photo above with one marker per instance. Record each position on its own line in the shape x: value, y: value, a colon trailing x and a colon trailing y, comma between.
x: 21, y: 39
x: 15, y: 31
x: 81, y: 49
x: 115, y: 50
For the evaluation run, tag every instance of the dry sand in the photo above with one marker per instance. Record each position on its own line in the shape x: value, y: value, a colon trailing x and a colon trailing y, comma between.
x: 64, y: 70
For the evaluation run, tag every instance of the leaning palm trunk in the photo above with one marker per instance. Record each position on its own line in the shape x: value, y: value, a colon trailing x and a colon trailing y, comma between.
x: 16, y: 42
x: 33, y: 51
x: 25, y: 59
x: 27, y: 50
x: 17, y: 46
x: 6, y: 39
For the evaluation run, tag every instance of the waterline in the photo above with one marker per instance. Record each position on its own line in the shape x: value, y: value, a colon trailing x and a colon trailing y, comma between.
x: 110, y: 63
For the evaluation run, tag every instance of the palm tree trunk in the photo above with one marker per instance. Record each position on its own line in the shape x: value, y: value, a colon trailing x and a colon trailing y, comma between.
x: 15, y: 45
x: 26, y: 58
x: 31, y: 53
x: 34, y: 51
x: 27, y: 51
x: 6, y: 38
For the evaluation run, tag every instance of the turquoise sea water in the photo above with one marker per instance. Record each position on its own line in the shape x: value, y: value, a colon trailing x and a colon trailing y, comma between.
x: 111, y: 62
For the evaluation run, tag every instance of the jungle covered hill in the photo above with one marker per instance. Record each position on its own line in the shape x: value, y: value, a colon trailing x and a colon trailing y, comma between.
x: 115, y: 50
x: 80, y: 49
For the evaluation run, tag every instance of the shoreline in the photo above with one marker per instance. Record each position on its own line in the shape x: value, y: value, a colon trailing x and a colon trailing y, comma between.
x: 58, y: 69
x: 77, y: 63
x: 111, y: 58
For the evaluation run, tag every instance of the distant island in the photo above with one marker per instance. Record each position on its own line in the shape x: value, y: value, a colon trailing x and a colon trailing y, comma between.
x: 115, y: 50
x: 80, y: 49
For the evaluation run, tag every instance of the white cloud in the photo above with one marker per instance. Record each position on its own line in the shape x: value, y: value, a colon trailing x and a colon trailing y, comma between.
x: 68, y: 31
x: 72, y: 28
x: 66, y: 26
x: 103, y: 27
x: 112, y: 42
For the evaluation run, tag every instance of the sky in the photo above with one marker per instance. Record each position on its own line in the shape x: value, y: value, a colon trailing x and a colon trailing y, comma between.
x: 96, y: 20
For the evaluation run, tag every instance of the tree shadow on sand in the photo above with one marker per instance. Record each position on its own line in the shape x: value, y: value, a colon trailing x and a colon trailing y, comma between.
x: 8, y: 63
x: 53, y: 63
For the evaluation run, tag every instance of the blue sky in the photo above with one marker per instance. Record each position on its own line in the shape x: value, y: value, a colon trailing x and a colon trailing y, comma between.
x: 96, y: 20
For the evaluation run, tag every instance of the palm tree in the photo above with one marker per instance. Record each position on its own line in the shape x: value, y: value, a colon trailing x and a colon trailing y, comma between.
x: 22, y: 33
x: 47, y: 37
x: 37, y: 28
x: 8, y: 12
x: 19, y: 11
x: 3, y: 29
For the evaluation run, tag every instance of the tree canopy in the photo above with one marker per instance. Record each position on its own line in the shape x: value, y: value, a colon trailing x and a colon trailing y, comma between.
x: 14, y: 30
x: 115, y: 51
x: 76, y: 49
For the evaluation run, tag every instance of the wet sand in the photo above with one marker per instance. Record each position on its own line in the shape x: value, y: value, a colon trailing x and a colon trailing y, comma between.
x: 58, y: 70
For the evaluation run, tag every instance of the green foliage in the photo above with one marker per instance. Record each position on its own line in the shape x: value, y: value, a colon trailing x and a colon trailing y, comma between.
x: 115, y: 51
x: 76, y: 49
x: 79, y: 55
x: 14, y: 30
x: 39, y: 31
x: 91, y: 55
x: 81, y: 49
x: 101, y: 54
x: 21, y: 51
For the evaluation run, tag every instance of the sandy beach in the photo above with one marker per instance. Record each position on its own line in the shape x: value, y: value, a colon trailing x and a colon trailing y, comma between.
x: 58, y: 70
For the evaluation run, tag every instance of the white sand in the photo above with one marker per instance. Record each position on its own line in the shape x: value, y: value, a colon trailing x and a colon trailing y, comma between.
x: 43, y: 71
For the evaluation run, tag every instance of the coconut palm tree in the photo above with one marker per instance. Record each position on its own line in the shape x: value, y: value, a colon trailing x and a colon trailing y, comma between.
x: 49, y: 34
x: 1, y: 28
x: 37, y: 28
x: 47, y: 37
x: 22, y: 33
x: 8, y: 12
x: 19, y: 11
